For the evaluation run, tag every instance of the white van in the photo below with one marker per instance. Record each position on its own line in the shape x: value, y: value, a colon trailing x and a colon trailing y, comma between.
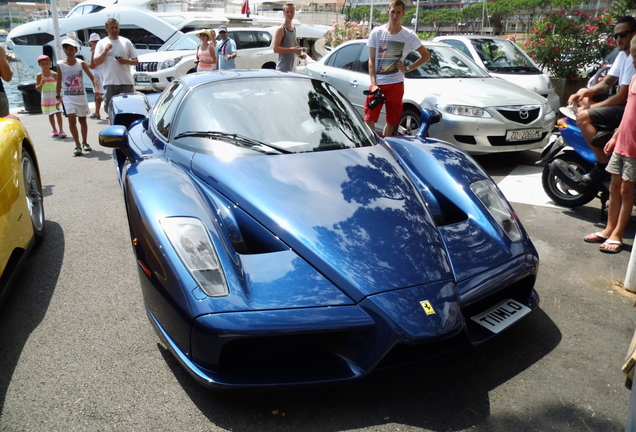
x: 156, y: 70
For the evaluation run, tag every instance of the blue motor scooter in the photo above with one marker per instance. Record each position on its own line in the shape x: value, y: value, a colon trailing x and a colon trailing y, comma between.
x: 567, y: 158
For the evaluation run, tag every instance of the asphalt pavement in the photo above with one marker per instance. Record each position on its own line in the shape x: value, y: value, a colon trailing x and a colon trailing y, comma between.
x: 77, y: 352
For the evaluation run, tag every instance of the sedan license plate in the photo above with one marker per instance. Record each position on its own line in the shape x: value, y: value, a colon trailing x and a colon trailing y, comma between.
x: 142, y: 79
x: 523, y: 135
x: 501, y: 315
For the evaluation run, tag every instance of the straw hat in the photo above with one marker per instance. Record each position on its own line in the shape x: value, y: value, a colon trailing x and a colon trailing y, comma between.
x: 204, y: 32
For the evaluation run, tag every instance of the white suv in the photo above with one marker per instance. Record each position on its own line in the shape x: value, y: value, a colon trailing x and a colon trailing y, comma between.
x: 156, y: 70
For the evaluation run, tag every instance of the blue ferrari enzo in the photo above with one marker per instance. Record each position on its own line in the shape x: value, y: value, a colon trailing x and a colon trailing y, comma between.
x: 281, y: 242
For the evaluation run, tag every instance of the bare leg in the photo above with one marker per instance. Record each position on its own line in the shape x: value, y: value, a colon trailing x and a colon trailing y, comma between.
x: 614, y: 205
x: 627, y: 202
x: 59, y: 121
x: 389, y: 129
x: 72, y: 126
x: 588, y: 130
x: 84, y: 126
x: 52, y: 121
x: 98, y: 104
x: 371, y: 124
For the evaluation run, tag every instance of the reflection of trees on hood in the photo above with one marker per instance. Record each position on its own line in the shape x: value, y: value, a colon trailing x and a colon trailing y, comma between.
x: 390, y: 240
x: 457, y: 163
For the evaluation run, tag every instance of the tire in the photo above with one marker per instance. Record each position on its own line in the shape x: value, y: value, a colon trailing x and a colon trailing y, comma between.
x: 409, y: 122
x: 33, y: 192
x: 559, y: 192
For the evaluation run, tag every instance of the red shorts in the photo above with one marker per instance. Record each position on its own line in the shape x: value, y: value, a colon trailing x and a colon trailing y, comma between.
x: 394, y: 94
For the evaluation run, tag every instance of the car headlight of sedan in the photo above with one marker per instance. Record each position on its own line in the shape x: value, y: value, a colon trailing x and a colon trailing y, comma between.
x: 464, y: 110
x: 170, y: 62
x: 497, y: 207
x: 546, y: 107
x: 190, y: 239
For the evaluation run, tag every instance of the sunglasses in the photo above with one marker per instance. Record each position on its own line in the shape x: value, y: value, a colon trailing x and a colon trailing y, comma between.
x: 621, y: 34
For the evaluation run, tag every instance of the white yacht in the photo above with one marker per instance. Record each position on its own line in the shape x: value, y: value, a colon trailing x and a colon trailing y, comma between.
x: 139, y: 21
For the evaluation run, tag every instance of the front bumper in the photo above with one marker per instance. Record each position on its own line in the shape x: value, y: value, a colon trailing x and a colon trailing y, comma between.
x: 324, y: 345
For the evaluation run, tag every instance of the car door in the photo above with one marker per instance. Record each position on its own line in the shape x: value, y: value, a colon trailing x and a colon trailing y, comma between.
x: 344, y: 70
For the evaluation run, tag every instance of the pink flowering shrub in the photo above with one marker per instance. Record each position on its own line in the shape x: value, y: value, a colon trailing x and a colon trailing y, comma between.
x: 345, y: 31
x: 567, y: 44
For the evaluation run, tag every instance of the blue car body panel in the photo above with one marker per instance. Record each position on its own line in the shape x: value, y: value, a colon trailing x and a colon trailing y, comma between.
x: 336, y: 262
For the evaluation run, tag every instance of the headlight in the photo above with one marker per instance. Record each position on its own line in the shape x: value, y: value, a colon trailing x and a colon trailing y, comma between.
x: 170, y: 62
x: 464, y: 110
x: 190, y: 239
x: 546, y: 107
x: 497, y: 207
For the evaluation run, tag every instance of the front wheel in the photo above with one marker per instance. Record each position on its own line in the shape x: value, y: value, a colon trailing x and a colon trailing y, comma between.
x: 409, y: 122
x: 561, y: 193
x: 34, y: 198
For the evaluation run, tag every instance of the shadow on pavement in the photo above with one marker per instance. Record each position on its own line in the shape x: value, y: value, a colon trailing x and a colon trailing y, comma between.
x: 447, y: 393
x: 29, y: 299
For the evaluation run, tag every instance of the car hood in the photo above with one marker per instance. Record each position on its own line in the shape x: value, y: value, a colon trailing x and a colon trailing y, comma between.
x: 538, y: 83
x: 479, y: 92
x: 354, y: 215
x: 160, y: 56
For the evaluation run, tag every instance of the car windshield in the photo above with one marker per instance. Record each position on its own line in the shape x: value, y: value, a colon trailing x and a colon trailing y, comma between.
x: 445, y: 62
x: 185, y: 42
x: 287, y: 113
x: 501, y: 55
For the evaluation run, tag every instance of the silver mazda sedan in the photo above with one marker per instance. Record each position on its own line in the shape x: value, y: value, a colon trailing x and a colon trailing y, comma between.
x: 481, y: 114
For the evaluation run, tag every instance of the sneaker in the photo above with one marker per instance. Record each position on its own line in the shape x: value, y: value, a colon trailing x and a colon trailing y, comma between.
x: 569, y: 111
x: 54, y: 133
x: 62, y: 134
x: 86, y: 147
x: 77, y: 151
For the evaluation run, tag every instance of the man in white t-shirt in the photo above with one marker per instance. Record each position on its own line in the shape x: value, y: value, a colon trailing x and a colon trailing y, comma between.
x: 606, y: 114
x: 117, y: 54
x: 388, y: 45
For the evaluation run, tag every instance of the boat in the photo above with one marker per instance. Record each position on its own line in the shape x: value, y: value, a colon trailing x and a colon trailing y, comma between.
x: 139, y: 21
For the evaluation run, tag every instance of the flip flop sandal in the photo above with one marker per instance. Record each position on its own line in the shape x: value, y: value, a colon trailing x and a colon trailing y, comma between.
x: 611, y: 251
x: 597, y: 237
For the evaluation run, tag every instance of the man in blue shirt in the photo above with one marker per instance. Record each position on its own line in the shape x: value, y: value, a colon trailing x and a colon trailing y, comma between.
x: 225, y: 50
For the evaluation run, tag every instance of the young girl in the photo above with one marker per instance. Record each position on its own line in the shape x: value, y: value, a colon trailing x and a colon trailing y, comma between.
x: 46, y: 83
x: 206, y: 52
x: 70, y: 90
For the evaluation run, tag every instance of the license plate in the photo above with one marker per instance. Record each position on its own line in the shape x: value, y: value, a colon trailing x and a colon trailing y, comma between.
x: 141, y: 79
x: 501, y: 315
x: 523, y: 134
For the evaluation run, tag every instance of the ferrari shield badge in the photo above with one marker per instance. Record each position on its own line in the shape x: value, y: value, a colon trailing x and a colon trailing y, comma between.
x: 427, y: 307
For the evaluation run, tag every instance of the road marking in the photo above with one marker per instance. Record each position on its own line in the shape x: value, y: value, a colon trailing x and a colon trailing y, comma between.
x: 523, y: 185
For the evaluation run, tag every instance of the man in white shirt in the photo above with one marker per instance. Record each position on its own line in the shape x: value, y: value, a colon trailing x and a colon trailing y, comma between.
x: 388, y: 45
x: 117, y: 54
x: 606, y: 114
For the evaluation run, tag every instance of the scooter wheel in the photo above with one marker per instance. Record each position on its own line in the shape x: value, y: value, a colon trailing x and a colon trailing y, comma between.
x: 561, y: 193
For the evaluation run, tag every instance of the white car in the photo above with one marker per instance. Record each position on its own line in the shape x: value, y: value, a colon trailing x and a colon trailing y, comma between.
x: 480, y: 114
x: 504, y: 59
x: 156, y: 70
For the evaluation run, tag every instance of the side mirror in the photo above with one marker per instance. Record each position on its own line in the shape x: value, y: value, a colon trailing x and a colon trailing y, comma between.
x: 428, y: 117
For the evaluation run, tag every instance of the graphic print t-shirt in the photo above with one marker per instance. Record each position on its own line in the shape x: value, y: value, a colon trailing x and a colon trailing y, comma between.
x: 388, y: 50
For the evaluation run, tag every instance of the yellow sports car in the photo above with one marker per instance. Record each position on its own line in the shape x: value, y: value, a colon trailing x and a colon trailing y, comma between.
x: 21, y: 200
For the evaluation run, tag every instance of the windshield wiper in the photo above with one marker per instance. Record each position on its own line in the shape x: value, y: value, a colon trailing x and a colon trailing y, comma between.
x: 232, y: 138
x: 515, y: 68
